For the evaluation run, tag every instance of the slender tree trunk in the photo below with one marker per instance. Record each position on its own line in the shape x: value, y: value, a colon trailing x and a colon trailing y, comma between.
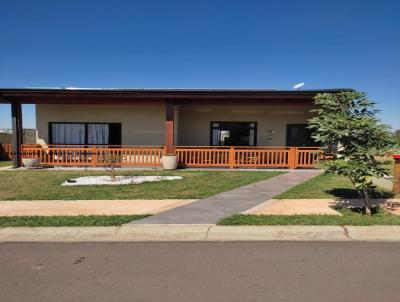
x: 367, y: 201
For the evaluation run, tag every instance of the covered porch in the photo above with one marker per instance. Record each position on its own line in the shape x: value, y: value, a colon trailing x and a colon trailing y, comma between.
x: 204, y: 128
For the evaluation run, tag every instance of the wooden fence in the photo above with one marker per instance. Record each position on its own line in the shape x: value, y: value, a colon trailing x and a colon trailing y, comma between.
x: 5, y: 152
x: 189, y: 156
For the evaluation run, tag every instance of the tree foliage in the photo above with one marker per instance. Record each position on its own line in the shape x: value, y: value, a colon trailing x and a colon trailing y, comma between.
x: 396, y: 136
x: 352, y: 138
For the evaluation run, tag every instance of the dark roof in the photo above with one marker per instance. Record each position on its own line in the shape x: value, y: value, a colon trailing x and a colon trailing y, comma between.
x: 68, y: 94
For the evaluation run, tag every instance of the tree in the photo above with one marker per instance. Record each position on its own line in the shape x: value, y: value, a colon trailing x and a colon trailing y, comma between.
x: 396, y: 136
x: 352, y: 137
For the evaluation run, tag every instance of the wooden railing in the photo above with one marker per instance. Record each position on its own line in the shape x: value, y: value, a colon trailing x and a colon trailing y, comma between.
x: 204, y: 156
x: 242, y: 157
x: 95, y: 155
x: 307, y: 157
x: 189, y: 156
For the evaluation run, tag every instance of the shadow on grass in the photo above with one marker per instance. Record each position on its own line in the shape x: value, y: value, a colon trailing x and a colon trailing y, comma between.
x: 353, y: 193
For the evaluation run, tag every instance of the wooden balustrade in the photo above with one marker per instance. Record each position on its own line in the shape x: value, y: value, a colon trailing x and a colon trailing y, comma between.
x: 203, y: 156
x: 307, y: 157
x: 95, y: 156
x: 189, y: 156
x: 243, y: 156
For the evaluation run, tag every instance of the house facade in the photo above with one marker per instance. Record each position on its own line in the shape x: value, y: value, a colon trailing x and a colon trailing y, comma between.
x: 194, y: 125
x: 171, y: 119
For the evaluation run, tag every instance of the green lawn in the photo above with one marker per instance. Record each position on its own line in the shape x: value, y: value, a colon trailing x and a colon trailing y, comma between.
x: 326, y: 186
x: 5, y: 163
x: 45, y: 185
x: 64, y: 221
x: 349, y: 217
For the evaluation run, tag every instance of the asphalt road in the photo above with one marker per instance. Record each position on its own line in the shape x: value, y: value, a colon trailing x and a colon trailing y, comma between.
x: 201, y: 271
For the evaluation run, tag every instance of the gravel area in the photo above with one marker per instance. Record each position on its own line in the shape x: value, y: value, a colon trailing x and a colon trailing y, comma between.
x: 120, y: 180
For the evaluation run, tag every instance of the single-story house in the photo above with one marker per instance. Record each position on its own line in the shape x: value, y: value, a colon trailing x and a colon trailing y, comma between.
x: 211, y: 122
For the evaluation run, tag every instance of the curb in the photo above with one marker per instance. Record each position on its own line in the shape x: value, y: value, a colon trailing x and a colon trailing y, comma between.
x: 143, y: 233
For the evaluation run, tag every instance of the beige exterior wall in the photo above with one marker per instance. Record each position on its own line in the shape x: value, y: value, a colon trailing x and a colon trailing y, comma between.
x: 141, y: 124
x: 194, y: 122
x: 145, y: 124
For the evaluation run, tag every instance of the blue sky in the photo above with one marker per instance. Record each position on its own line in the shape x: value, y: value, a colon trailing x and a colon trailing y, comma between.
x: 202, y: 44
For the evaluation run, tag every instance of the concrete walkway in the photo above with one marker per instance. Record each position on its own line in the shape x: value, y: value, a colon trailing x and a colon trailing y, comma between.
x: 294, y: 207
x: 210, y: 210
x: 89, y: 207
x: 141, y: 233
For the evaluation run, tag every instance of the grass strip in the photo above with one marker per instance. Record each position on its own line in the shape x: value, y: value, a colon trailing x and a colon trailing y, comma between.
x: 327, y: 186
x: 67, y: 221
x: 349, y: 217
x: 5, y: 163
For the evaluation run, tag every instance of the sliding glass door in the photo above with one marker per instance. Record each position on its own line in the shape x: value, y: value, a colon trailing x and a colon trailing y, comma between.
x: 233, y: 134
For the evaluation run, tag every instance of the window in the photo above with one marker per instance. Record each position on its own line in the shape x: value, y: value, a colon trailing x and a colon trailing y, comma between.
x: 85, y: 133
x: 298, y: 135
x: 233, y: 134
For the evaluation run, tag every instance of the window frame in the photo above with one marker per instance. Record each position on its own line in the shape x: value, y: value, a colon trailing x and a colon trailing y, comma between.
x: 50, y: 128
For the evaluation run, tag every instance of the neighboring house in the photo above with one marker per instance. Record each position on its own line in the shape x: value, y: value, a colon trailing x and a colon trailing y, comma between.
x: 168, y: 117
x: 29, y: 136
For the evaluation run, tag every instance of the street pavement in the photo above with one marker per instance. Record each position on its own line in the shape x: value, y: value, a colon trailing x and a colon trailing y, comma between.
x: 200, y: 271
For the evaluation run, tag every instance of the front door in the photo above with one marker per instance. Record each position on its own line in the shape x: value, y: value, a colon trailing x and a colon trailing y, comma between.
x: 298, y: 135
x: 233, y: 133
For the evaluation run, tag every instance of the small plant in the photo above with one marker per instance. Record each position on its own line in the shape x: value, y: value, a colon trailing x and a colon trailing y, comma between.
x: 112, y: 161
x: 155, y: 169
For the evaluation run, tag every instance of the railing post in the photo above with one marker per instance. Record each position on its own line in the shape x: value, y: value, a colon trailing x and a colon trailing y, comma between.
x: 396, y: 174
x: 94, y: 156
x: 169, y: 127
x: 292, y: 158
x: 231, y: 157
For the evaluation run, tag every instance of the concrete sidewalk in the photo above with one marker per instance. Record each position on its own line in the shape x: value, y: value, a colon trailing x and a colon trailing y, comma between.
x: 89, y: 207
x: 140, y: 233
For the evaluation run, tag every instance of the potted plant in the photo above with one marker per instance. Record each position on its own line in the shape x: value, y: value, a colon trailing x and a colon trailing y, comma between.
x: 169, y: 161
x: 31, y: 163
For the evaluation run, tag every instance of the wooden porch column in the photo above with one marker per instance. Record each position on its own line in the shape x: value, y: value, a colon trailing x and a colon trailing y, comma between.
x: 169, y: 127
x: 17, y: 135
x: 396, y: 174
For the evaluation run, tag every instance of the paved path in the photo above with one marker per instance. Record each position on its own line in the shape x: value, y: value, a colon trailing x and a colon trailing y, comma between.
x: 210, y: 210
x: 200, y: 271
x: 88, y: 207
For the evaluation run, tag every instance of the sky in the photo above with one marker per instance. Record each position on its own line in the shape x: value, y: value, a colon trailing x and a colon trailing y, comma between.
x: 202, y: 44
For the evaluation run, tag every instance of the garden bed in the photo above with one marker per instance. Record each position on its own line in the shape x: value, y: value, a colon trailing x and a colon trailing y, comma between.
x: 119, y: 180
